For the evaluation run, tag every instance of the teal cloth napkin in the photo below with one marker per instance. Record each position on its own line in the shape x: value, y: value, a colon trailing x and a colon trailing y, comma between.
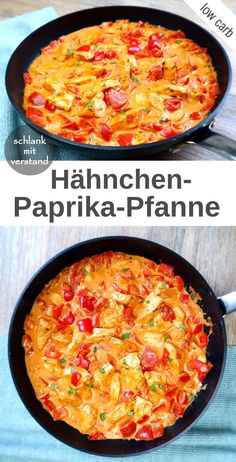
x: 12, y: 32
x: 212, y: 439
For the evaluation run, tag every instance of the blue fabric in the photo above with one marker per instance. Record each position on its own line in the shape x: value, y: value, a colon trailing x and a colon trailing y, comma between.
x: 212, y: 439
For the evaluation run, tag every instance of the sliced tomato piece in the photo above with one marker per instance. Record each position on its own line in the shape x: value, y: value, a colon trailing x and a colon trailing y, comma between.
x: 86, y: 300
x: 168, y: 270
x: 184, y: 377
x: 125, y: 139
x: 156, y: 73
x: 35, y: 115
x: 85, y: 325
x: 27, y: 78
x: 82, y: 361
x: 115, y: 98
x: 127, y: 395
x: 202, y: 339
x: 201, y: 367
x: 69, y: 318
x: 128, y: 429
x: 80, y: 138
x: 96, y: 436
x: 144, y: 433
x: 99, y: 55
x: 149, y: 359
x: 172, y: 104
x: 106, y: 132
x: 128, y: 315
x: 84, y: 48
x: 165, y: 357
x: 168, y: 133
x: 75, y: 378
x: 133, y: 50
x: 52, y: 352
x: 168, y: 313
x: 198, y: 328
x: 36, y: 99
x: 195, y: 116
x: 49, y: 106
x: 59, y: 413
x: 179, y: 282
x: 68, y: 294
x: 56, y: 311
x: 184, y: 298
x: 157, y: 429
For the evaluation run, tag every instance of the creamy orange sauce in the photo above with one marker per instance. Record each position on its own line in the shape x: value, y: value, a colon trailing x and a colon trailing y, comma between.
x: 119, y: 84
x: 115, y: 346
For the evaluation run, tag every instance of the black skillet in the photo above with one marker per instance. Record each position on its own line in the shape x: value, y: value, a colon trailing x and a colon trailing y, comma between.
x: 214, y: 308
x: 201, y: 133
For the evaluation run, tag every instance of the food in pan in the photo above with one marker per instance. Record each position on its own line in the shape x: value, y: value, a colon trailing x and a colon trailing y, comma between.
x: 115, y: 346
x: 120, y: 83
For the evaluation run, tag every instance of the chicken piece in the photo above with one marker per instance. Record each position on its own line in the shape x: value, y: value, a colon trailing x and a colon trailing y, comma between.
x: 169, y: 69
x: 76, y: 340
x: 54, y: 85
x: 132, y: 379
x: 121, y: 298
x: 119, y: 411
x: 115, y: 386
x: 102, y: 375
x: 102, y: 332
x: 96, y: 107
x: 56, y: 298
x: 87, y: 417
x: 63, y: 101
x: 44, y: 331
x: 112, y: 315
x: 151, y: 303
x: 142, y: 407
x: 131, y: 360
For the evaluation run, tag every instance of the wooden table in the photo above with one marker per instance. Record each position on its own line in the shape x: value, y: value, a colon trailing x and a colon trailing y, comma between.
x: 23, y: 250
x: 225, y: 120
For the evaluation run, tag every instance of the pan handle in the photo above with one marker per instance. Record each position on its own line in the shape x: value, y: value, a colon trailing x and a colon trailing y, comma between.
x: 215, y: 142
x: 228, y: 303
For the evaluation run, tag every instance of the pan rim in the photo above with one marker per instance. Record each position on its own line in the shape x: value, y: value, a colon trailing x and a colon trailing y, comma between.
x: 139, y: 148
x: 107, y: 239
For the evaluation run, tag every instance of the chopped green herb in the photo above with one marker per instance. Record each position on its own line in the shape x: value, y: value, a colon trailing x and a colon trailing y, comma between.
x: 148, y: 301
x: 166, y: 337
x: 124, y: 362
x: 72, y: 369
x: 72, y: 390
x: 102, y: 416
x: 125, y: 269
x: 90, y: 385
x: 164, y: 117
x: 182, y: 326
x: 95, y: 349
x: 163, y: 285
x: 71, y: 52
x: 145, y: 109
x: 85, y: 272
x: 54, y: 58
x: 126, y: 335
x: 88, y: 102
x: 102, y: 370
x: 122, y: 111
x: 131, y: 298
x: 152, y: 323
x: 56, y: 93
x: 153, y: 388
x: 78, y: 63
x: 131, y: 413
x: 53, y: 386
x: 141, y: 301
x: 161, y: 386
x: 63, y: 360
x: 95, y: 45
x: 169, y: 360
x: 191, y: 397
x: 113, y: 62
x: 134, y: 78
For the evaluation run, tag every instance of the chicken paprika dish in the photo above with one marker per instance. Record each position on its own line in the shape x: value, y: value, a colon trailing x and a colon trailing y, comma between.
x: 115, y: 346
x: 120, y: 83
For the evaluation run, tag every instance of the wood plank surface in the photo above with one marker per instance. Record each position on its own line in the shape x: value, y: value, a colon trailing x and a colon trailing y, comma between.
x: 225, y: 122
x: 23, y: 250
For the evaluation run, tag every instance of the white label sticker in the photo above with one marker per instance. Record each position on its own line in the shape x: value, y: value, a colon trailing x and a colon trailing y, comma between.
x: 218, y: 17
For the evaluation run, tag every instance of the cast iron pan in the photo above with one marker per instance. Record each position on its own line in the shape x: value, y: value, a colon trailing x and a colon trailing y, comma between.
x: 216, y: 349
x: 201, y: 133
